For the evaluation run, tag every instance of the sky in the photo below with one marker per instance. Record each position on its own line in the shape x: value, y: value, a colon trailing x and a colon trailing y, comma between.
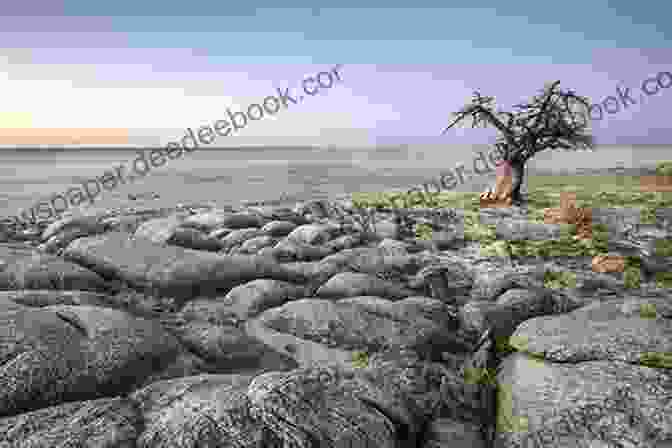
x: 140, y: 73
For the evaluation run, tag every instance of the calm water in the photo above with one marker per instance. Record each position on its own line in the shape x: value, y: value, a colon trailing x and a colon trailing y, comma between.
x: 227, y: 177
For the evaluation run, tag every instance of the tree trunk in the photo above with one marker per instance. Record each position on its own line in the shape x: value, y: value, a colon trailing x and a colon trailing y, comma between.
x: 518, y: 181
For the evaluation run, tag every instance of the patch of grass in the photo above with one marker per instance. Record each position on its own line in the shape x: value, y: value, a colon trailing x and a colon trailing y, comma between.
x: 663, y: 247
x: 480, y: 376
x: 664, y: 168
x: 656, y: 360
x: 544, y: 192
x: 559, y: 280
x: 360, y: 359
x: 647, y: 311
x: 632, y: 277
x: 423, y: 232
x: 506, y: 421
x: 664, y: 279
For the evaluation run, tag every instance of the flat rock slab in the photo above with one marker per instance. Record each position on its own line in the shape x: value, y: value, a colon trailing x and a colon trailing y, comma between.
x: 41, y: 271
x: 103, y: 422
x: 63, y: 353
x: 615, y: 330
x: 170, y: 270
x: 590, y: 404
x: 348, y: 328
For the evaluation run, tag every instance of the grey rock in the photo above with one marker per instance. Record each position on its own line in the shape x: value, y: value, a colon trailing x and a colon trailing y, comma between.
x: 170, y: 270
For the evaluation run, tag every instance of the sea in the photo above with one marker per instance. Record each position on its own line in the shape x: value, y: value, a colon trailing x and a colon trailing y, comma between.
x: 231, y: 176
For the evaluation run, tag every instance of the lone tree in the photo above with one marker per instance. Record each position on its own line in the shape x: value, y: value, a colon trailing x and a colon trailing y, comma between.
x: 555, y: 119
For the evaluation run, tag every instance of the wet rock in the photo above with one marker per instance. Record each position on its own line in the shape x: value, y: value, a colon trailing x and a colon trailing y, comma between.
x: 49, y: 272
x: 103, y: 422
x: 195, y: 239
x: 63, y: 353
x: 170, y: 270
x: 278, y: 228
x: 349, y: 284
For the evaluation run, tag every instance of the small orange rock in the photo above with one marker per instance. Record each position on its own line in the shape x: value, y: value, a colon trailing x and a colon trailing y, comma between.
x: 608, y: 263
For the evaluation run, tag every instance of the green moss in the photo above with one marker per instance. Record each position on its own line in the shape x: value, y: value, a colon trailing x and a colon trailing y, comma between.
x: 360, y: 359
x: 647, y: 311
x: 559, y: 280
x: 632, y: 278
x: 506, y: 421
x: 480, y: 376
x: 663, y: 247
x: 664, y: 168
x: 423, y: 232
x: 656, y: 360
x: 664, y: 279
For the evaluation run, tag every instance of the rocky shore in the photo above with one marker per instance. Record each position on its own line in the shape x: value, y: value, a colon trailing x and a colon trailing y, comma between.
x: 273, y: 326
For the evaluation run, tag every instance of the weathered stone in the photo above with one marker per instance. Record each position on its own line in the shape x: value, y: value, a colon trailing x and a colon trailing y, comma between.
x: 194, y: 239
x: 349, y: 284
x: 254, y: 245
x: 103, y: 422
x: 594, y: 403
x: 89, y: 225
x: 208, y: 221
x: 291, y: 250
x: 319, y: 407
x: 197, y: 411
x: 312, y: 234
x: 599, y: 332
x: 278, y: 228
x: 171, y: 270
x: 159, y: 230
x: 41, y: 298
x: 62, y: 353
x: 242, y: 221
x: 253, y: 297
x: 49, y: 272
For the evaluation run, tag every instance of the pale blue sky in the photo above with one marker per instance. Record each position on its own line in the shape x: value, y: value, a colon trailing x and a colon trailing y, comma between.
x: 157, y: 67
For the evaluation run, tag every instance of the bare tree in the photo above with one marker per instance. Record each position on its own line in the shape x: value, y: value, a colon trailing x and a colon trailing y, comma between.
x: 555, y: 119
